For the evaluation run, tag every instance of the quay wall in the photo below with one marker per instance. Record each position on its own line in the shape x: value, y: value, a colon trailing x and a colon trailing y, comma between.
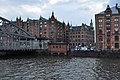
x: 16, y: 52
x: 96, y: 54
x: 38, y: 52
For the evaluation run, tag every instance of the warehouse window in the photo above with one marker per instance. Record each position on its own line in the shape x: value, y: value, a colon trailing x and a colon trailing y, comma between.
x: 116, y: 45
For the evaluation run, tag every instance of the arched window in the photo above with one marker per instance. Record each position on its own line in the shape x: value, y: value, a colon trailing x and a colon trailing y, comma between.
x: 116, y: 31
x: 100, y: 31
x: 73, y: 44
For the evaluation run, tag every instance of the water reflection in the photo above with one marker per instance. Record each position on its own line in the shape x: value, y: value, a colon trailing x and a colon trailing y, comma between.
x: 59, y: 68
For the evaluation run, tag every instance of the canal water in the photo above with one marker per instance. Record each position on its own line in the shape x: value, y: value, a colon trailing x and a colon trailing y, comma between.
x: 59, y: 68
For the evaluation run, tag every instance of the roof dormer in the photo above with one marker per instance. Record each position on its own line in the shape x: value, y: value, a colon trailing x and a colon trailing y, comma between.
x: 108, y: 10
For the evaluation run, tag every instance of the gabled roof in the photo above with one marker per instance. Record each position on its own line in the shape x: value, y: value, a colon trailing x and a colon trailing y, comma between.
x: 75, y: 28
x: 113, y: 9
x: 42, y: 18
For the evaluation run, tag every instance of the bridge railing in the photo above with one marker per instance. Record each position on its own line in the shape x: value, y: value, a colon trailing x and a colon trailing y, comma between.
x: 19, y: 45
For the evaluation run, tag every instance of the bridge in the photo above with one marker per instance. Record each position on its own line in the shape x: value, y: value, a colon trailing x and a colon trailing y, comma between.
x: 13, y: 37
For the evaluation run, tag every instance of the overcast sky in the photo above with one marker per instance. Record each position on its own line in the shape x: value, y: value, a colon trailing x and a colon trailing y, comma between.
x: 73, y: 11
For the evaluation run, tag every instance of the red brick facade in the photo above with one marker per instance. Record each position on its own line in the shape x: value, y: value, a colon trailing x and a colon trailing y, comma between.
x: 58, y: 48
x: 108, y: 29
x: 52, y: 29
x: 82, y: 35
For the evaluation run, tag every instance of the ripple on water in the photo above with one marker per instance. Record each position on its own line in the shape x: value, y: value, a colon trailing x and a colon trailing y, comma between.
x: 59, y: 68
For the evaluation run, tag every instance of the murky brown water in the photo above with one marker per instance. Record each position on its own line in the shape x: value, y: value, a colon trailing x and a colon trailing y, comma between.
x: 59, y: 68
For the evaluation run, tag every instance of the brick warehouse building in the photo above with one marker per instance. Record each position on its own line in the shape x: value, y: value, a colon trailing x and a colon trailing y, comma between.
x: 50, y: 28
x: 82, y: 35
x: 108, y: 28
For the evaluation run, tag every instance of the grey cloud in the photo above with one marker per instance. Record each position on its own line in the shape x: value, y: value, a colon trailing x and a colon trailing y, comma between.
x: 20, y: 2
x: 67, y: 10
